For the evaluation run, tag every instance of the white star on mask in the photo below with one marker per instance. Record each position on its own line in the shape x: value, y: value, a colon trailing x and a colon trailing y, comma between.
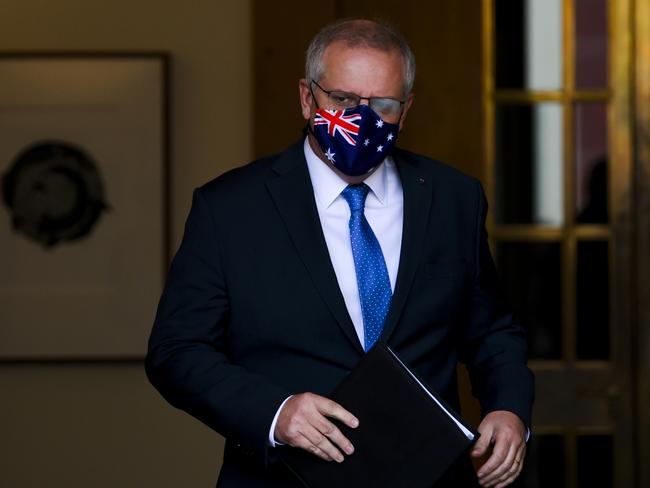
x: 380, y: 148
x: 330, y: 155
x: 380, y: 123
x: 366, y: 142
x: 390, y: 136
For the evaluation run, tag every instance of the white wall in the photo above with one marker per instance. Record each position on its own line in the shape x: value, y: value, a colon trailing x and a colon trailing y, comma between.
x: 103, y: 424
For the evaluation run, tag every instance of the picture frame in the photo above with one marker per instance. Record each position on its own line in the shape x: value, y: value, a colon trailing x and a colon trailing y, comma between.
x: 84, y: 203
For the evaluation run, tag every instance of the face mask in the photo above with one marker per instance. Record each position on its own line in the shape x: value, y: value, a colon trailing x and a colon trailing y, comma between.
x: 354, y: 140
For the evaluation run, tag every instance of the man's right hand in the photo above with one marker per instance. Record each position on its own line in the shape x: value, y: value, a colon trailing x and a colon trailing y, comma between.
x: 303, y: 422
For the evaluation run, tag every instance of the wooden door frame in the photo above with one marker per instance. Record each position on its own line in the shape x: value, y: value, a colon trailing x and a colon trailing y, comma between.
x: 623, y: 211
x: 642, y: 197
x: 626, y: 391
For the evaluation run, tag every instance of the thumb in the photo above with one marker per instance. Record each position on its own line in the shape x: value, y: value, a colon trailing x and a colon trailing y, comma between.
x: 483, y: 442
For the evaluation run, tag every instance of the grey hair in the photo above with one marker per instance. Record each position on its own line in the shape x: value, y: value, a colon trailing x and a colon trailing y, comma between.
x: 359, y: 33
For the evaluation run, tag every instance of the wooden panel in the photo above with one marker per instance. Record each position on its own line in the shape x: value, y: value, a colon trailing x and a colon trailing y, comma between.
x: 280, y: 39
x: 587, y: 397
x: 445, y: 120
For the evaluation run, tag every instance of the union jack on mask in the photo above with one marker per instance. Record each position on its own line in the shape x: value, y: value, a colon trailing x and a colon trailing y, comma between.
x: 354, y: 140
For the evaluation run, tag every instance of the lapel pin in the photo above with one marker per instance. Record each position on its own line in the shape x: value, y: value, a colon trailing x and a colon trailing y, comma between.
x: 421, y: 180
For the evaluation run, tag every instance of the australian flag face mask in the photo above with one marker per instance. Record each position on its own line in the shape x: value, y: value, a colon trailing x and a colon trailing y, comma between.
x: 355, y: 140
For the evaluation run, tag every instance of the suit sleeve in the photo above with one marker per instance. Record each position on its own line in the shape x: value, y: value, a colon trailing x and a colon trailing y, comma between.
x: 494, y: 347
x: 187, y: 360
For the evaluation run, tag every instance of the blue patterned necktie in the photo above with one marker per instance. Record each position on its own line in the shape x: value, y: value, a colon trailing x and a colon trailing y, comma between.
x: 372, y: 274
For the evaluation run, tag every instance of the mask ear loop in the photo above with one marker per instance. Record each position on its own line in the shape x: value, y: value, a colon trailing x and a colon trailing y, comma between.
x: 311, y: 90
x: 308, y: 129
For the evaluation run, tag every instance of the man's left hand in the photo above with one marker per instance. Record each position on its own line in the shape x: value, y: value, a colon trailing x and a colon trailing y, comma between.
x: 505, y: 432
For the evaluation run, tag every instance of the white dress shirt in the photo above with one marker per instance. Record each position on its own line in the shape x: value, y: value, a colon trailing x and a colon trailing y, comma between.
x: 384, y: 212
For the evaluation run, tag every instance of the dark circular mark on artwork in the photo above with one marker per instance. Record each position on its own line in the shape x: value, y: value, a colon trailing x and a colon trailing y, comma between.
x: 54, y: 193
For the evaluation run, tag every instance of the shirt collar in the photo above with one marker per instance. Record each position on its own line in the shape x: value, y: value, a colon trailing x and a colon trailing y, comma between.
x: 328, y: 185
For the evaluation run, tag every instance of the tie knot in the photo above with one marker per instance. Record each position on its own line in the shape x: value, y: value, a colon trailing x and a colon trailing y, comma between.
x: 356, y: 195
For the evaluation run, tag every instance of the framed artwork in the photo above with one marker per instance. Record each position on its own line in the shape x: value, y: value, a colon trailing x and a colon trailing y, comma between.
x: 84, y: 163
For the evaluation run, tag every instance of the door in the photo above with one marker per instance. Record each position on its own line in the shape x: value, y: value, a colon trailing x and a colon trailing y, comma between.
x: 558, y: 156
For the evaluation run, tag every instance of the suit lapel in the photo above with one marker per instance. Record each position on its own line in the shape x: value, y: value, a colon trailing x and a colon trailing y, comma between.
x: 417, y: 188
x: 293, y: 195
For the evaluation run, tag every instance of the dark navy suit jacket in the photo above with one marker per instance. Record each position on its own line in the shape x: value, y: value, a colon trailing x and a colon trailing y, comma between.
x: 252, y: 311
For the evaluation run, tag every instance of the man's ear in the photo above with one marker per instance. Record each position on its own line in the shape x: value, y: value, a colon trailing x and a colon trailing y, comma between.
x: 306, y: 100
x: 407, y: 106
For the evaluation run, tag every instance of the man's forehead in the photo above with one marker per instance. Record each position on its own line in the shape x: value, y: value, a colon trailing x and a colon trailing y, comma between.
x: 342, y: 47
x: 341, y: 55
x: 355, y: 64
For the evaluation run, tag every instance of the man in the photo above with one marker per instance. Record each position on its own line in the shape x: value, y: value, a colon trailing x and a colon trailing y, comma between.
x: 293, y: 266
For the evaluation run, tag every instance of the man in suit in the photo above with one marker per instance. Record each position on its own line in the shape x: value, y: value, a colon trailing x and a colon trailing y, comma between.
x: 293, y: 266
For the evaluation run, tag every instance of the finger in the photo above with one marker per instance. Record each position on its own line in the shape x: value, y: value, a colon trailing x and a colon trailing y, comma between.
x: 515, y: 471
x: 499, y: 454
x: 504, y: 467
x: 321, y: 441
x: 482, y: 443
x: 510, y: 478
x: 332, y: 432
x: 307, y: 445
x: 334, y: 410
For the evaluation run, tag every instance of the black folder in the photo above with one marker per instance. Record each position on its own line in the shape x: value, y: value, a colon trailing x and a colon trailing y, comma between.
x: 407, y: 435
